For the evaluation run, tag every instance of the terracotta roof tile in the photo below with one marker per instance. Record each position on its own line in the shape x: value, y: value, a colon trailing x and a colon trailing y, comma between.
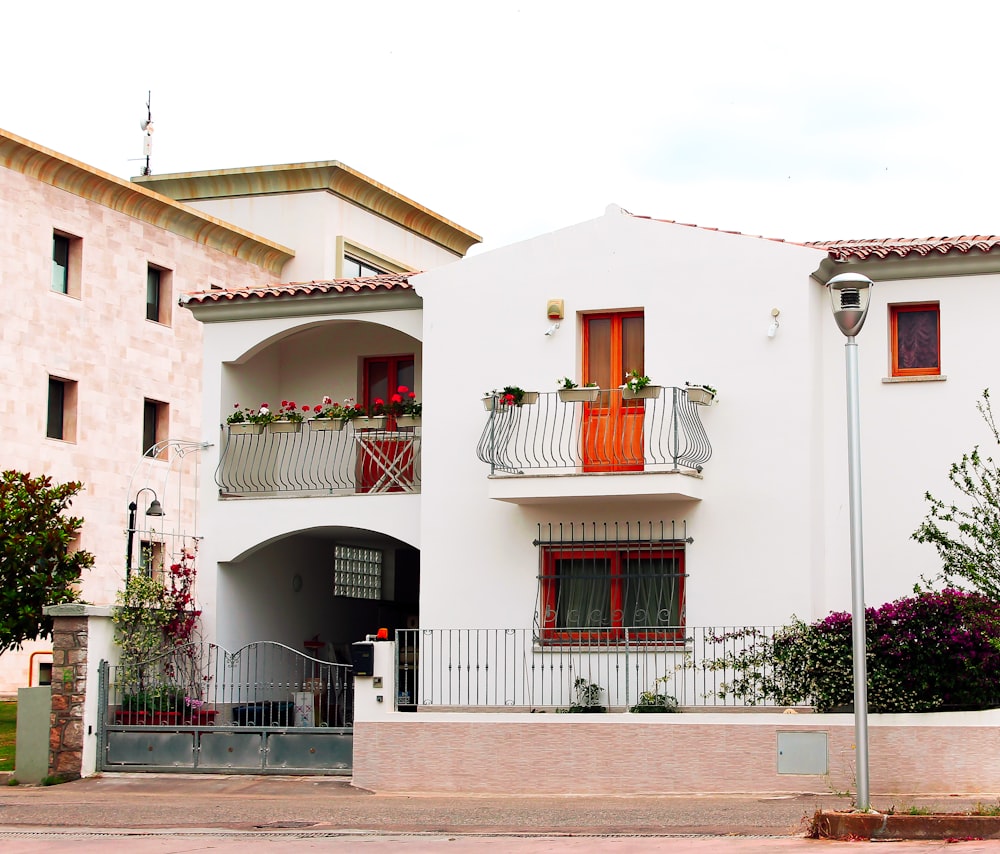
x: 719, y: 230
x: 369, y: 284
x: 902, y: 247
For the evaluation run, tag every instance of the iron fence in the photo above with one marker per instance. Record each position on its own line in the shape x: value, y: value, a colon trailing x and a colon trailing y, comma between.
x: 318, y: 458
x: 608, y: 433
x: 719, y: 666
x: 264, y: 684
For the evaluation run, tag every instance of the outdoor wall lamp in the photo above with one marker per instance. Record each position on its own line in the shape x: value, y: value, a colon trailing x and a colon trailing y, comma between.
x: 772, y: 330
x: 154, y: 509
x: 851, y: 296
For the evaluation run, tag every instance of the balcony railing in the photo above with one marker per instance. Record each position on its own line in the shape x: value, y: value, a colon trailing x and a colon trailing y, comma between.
x: 313, y: 461
x: 720, y: 666
x: 608, y: 434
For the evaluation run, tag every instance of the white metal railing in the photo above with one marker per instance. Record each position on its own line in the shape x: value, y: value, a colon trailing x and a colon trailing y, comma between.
x: 484, y: 668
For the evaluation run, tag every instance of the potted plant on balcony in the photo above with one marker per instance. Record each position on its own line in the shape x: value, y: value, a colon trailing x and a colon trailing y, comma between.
x: 570, y: 392
x: 656, y: 700
x: 405, y: 407
x: 700, y: 393
x: 638, y: 387
x: 328, y: 416
x: 375, y: 417
x: 247, y: 419
x: 288, y: 419
x: 509, y: 395
x: 588, y: 697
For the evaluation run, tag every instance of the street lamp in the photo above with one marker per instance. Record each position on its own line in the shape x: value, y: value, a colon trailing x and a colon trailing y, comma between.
x: 851, y: 295
x: 154, y: 509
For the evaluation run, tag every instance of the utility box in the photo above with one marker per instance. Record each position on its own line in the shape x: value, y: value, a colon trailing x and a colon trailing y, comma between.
x: 34, y: 708
x: 363, y: 658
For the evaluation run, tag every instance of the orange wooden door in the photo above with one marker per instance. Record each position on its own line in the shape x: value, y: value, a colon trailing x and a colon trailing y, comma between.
x: 613, y: 345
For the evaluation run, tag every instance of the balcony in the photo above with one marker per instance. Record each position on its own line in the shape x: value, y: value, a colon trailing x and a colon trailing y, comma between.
x: 611, y: 448
x: 312, y: 461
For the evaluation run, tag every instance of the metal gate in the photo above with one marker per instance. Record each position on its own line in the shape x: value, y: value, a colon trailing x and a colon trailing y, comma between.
x: 265, y: 708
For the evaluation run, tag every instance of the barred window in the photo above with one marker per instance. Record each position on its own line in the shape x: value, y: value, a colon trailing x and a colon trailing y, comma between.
x: 598, y: 589
x: 357, y: 572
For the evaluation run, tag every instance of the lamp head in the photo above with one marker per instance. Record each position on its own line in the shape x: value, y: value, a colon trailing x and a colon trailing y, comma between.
x: 851, y: 296
x: 155, y: 508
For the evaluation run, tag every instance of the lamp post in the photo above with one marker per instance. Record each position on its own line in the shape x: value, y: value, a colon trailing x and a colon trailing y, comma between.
x: 851, y: 295
x: 154, y: 509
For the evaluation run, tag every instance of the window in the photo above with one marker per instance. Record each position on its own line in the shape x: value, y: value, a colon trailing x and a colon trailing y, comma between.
x: 66, y: 254
x: 61, y: 413
x: 155, y: 426
x: 593, y: 591
x: 354, y: 267
x: 915, y: 339
x: 151, y: 558
x: 158, y: 287
x: 357, y: 572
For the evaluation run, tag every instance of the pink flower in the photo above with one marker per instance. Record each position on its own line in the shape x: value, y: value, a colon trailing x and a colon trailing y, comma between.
x: 327, y: 400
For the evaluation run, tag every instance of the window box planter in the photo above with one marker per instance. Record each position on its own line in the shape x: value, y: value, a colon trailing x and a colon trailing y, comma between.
x: 283, y: 425
x: 375, y: 422
x: 578, y: 395
x: 648, y: 392
x: 701, y: 396
x: 201, y: 717
x: 407, y: 422
x: 327, y: 424
x: 246, y: 428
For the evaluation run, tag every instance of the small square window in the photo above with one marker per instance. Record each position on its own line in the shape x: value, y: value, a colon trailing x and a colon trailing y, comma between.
x: 155, y: 426
x: 66, y: 257
x: 158, y: 287
x: 915, y: 339
x: 357, y: 572
x: 61, y: 411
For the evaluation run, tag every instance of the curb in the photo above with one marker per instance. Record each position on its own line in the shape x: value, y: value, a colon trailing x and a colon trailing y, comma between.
x: 883, y: 826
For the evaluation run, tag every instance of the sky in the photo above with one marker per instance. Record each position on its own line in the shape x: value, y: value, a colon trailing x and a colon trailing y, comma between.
x: 798, y: 120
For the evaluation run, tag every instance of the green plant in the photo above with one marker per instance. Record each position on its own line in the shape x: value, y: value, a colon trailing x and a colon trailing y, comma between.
x: 967, y: 538
x: 705, y: 386
x: 403, y: 402
x: 248, y: 415
x: 37, y: 564
x: 8, y: 735
x: 656, y: 698
x: 290, y: 412
x: 635, y: 381
x: 985, y: 809
x: 588, y: 696
x: 566, y: 383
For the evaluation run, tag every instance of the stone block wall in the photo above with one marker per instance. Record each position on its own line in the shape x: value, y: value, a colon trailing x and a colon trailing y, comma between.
x: 70, y: 640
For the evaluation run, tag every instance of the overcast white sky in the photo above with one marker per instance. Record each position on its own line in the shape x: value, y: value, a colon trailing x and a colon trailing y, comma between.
x: 802, y: 120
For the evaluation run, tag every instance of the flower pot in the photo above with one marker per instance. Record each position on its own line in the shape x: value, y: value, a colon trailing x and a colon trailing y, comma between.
x: 376, y: 422
x: 407, y: 422
x: 577, y: 395
x: 489, y: 402
x: 335, y: 424
x: 246, y: 427
x: 200, y: 717
x: 283, y: 425
x: 649, y: 392
x: 528, y: 398
x: 699, y: 395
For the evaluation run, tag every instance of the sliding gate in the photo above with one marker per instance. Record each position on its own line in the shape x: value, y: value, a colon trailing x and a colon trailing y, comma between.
x: 265, y: 708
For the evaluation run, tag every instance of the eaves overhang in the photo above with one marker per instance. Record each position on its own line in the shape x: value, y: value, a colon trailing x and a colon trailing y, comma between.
x: 303, y: 299
x: 329, y: 176
x: 50, y: 167
x: 920, y: 258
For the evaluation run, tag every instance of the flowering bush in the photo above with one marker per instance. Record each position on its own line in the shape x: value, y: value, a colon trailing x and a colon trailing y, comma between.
x: 249, y: 415
x: 935, y: 651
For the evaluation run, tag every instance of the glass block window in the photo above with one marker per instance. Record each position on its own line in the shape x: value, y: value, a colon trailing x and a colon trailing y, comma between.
x: 357, y: 572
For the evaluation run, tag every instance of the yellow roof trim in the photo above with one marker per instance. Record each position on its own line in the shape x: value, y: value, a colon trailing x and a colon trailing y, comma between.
x: 43, y: 164
x: 328, y: 175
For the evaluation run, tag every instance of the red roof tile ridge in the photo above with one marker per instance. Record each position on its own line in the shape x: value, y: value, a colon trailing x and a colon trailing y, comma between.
x: 717, y: 230
x: 384, y: 282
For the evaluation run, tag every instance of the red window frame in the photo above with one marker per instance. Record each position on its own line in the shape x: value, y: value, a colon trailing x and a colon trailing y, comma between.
x: 895, y: 311
x: 552, y: 633
x: 394, y: 366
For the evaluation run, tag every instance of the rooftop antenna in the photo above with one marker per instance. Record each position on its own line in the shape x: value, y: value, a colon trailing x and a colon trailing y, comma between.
x: 147, y: 125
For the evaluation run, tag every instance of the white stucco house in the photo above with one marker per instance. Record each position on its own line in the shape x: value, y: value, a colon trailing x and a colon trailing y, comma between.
x: 517, y: 546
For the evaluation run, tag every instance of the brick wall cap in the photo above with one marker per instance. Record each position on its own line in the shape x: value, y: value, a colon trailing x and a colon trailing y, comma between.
x: 77, y: 609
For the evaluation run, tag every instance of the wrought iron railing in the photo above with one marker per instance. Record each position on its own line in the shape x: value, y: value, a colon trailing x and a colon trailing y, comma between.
x: 263, y: 684
x: 501, y: 668
x: 317, y: 461
x: 609, y: 433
